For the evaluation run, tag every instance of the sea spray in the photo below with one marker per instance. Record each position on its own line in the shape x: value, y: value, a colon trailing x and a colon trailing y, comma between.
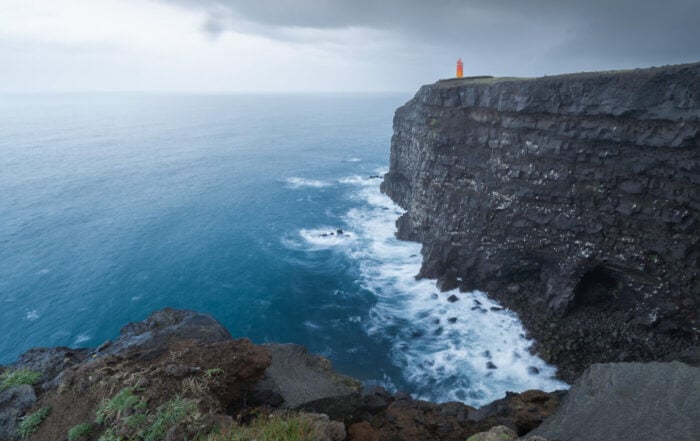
x: 448, y: 345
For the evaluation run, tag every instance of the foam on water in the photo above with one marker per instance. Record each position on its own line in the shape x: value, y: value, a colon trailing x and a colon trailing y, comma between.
x: 296, y: 182
x: 81, y: 338
x: 321, y: 238
x: 469, y: 349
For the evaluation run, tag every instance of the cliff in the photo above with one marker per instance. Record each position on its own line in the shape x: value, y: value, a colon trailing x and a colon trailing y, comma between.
x: 574, y: 200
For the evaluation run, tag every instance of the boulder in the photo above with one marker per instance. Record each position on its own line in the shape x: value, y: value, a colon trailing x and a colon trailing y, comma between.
x: 296, y: 377
x: 14, y: 402
x: 629, y: 402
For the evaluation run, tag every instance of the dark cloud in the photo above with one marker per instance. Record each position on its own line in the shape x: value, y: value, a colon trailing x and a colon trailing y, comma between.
x: 601, y: 33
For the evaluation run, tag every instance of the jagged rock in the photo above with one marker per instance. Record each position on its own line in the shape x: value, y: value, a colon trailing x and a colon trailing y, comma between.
x: 498, y: 433
x: 153, y: 335
x: 629, y: 402
x: 14, y: 402
x: 362, y: 432
x: 399, y: 417
x: 296, y: 377
x: 521, y: 412
x: 574, y: 200
x: 50, y: 362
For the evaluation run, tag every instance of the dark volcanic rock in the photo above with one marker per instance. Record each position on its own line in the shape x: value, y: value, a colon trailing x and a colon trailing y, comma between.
x: 14, y: 402
x: 629, y: 402
x: 50, y: 362
x: 574, y: 200
x: 153, y: 335
x: 379, y: 415
x: 296, y: 377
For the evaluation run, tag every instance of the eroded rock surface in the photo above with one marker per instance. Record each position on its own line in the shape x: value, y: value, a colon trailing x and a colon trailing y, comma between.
x: 629, y: 402
x: 574, y: 200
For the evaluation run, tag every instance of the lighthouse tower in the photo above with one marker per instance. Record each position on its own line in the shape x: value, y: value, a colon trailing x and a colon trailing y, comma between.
x: 460, y: 68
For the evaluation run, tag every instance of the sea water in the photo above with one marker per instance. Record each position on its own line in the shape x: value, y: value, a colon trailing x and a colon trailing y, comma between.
x: 115, y: 205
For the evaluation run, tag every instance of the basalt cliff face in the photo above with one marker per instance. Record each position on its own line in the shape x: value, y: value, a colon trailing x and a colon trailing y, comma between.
x: 574, y: 200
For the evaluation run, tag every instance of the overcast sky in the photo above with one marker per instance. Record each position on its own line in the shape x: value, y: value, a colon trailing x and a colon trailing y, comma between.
x: 327, y: 45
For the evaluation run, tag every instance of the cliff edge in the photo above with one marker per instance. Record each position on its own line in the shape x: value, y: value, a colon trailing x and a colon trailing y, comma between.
x: 574, y: 200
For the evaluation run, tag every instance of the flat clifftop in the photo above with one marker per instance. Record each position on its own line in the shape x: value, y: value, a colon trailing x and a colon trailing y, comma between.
x: 574, y: 200
x: 657, y: 93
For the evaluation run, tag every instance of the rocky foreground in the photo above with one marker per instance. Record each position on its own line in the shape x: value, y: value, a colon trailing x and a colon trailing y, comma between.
x: 179, y: 375
x: 574, y: 200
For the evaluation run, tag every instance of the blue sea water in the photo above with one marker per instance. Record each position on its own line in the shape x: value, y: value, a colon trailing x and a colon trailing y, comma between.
x: 115, y: 205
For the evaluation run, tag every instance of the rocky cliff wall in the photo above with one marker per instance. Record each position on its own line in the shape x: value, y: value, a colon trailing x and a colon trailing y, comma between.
x: 574, y: 200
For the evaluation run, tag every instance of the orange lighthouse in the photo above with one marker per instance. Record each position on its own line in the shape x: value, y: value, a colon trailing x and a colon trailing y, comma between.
x: 460, y: 68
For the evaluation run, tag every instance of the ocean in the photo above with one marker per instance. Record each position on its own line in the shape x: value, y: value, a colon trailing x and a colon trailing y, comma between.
x: 115, y: 205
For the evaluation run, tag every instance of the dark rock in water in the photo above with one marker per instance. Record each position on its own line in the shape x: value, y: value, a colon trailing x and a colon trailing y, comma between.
x: 375, y: 177
x: 14, y: 402
x: 476, y: 302
x: 453, y: 298
x: 629, y: 402
x: 452, y: 320
x: 572, y: 200
x: 486, y: 354
x: 417, y: 333
x: 495, y: 308
x: 152, y: 336
x: 331, y: 234
x: 532, y: 370
x: 296, y: 377
x: 339, y: 231
x: 490, y: 365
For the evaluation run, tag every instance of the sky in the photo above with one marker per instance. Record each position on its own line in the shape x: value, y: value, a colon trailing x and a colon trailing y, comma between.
x: 254, y: 46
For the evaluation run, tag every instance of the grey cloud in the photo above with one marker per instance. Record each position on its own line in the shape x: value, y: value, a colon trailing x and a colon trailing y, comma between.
x: 615, y: 32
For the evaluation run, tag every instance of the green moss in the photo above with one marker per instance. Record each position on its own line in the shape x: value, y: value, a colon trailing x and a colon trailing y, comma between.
x: 80, y: 432
x: 31, y: 423
x: 18, y: 377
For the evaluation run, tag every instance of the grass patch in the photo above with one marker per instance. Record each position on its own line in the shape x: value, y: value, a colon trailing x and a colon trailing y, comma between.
x: 18, y: 377
x: 113, y: 408
x: 282, y: 427
x: 31, y: 423
x: 170, y: 414
x: 80, y: 432
x: 211, y: 373
x: 109, y: 435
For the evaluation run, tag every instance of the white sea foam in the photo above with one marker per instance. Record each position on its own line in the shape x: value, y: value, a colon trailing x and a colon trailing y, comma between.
x: 81, y: 338
x: 296, y: 182
x: 468, y: 350
x: 31, y: 315
x: 323, y: 238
